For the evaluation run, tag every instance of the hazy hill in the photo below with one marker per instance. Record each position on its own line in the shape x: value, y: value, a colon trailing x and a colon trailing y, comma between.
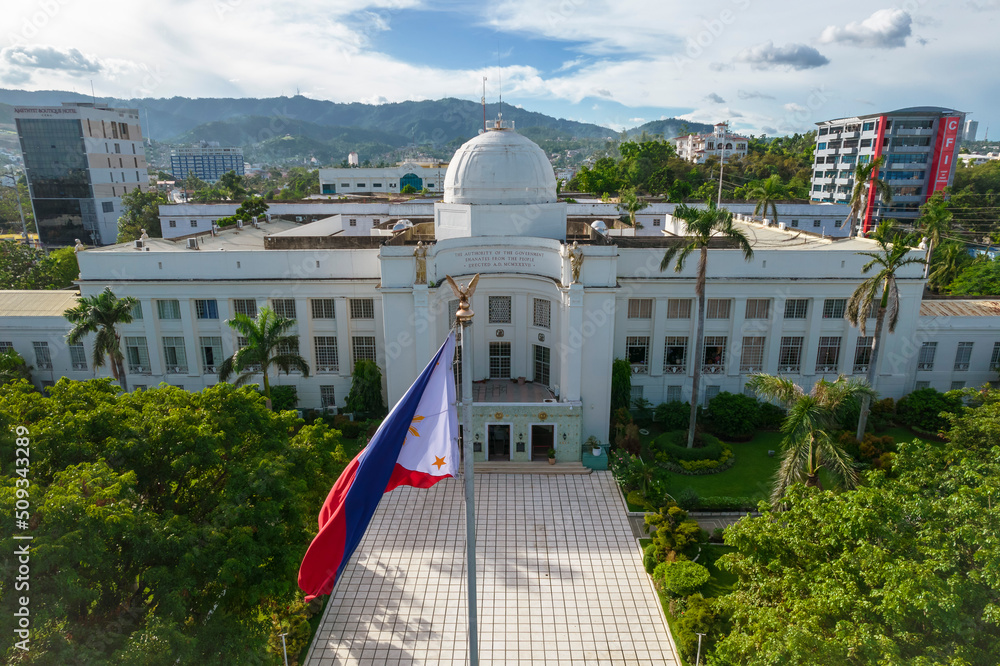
x: 670, y: 128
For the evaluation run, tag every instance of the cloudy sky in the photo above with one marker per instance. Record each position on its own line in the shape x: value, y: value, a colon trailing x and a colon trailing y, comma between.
x: 769, y: 66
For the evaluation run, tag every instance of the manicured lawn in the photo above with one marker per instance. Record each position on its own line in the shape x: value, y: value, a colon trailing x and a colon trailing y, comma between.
x: 899, y: 434
x: 751, y: 476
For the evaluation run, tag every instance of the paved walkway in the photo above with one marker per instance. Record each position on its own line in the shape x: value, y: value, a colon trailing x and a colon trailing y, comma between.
x: 560, y: 580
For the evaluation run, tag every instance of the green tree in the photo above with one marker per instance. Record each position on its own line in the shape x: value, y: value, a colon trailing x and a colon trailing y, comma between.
x: 934, y: 222
x: 702, y: 226
x: 408, y: 189
x: 251, y: 207
x: 947, y: 264
x: 865, y: 177
x: 767, y: 194
x: 167, y: 525
x: 24, y: 267
x: 268, y: 345
x: 13, y: 367
x: 233, y: 184
x: 621, y: 385
x: 893, y: 254
x: 10, y: 216
x: 365, y: 396
x: 101, y: 315
x: 140, y: 210
x: 897, y: 571
x: 980, y: 278
x: 808, y: 444
x: 631, y: 203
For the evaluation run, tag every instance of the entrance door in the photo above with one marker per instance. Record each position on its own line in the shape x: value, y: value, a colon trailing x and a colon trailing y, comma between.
x: 543, y: 438
x: 499, y: 442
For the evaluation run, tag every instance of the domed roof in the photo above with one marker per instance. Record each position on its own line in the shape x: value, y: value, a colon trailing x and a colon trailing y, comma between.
x: 500, y: 167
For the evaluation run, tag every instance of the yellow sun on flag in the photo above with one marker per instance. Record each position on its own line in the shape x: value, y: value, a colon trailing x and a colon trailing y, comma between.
x: 413, y: 431
x: 439, y: 462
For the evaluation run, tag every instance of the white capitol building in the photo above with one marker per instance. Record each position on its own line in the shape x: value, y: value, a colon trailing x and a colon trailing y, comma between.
x: 542, y: 342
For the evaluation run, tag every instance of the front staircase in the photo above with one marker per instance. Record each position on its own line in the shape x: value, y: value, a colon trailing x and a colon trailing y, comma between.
x: 531, y: 468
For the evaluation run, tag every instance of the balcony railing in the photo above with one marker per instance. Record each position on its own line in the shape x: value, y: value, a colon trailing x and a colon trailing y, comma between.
x: 675, y: 369
x: 177, y: 369
x: 961, y: 367
x: 43, y: 366
x: 79, y: 366
x: 210, y: 370
x: 713, y: 369
x: 826, y: 368
x: 139, y: 370
x: 751, y: 368
x: 327, y: 369
x: 640, y: 369
x: 925, y: 366
x: 860, y: 369
x: 790, y: 369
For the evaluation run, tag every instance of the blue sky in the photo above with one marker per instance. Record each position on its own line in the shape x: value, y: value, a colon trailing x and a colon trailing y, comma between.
x: 768, y: 66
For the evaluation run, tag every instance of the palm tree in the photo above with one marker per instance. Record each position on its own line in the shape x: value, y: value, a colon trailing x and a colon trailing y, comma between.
x: 893, y: 255
x: 934, y: 222
x: 950, y: 260
x: 631, y: 203
x: 864, y: 175
x: 808, y: 443
x: 267, y: 345
x: 101, y: 314
x: 767, y: 193
x: 702, y: 225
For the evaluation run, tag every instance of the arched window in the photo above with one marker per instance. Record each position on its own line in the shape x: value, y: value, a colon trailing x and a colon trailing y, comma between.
x: 411, y: 179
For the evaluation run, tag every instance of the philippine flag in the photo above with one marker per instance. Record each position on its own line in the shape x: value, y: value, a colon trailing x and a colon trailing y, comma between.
x: 416, y: 445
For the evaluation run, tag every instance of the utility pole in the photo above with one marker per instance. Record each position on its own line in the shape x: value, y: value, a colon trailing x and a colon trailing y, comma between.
x: 722, y: 160
x: 464, y: 319
x: 697, y: 660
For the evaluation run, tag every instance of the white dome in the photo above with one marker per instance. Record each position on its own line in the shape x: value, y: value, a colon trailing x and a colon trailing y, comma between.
x: 500, y: 167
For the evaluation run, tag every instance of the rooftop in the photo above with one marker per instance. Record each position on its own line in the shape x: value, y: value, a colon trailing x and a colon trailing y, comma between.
x: 37, y: 303
x: 229, y: 238
x: 960, y: 308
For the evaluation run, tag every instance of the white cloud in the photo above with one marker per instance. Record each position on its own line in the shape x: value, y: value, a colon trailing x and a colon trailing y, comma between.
x: 885, y: 29
x: 752, y: 94
x: 791, y: 56
x: 50, y: 57
x: 792, y: 106
x: 714, y: 99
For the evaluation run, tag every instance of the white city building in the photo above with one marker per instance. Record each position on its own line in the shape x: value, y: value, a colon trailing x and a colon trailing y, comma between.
x: 719, y: 143
x: 383, y: 180
x: 557, y: 301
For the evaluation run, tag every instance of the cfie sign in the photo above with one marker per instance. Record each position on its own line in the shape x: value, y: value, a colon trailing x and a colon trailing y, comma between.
x: 944, y: 151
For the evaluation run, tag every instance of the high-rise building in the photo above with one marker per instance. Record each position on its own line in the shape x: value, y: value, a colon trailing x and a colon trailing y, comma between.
x: 80, y: 158
x: 919, y: 144
x: 970, y: 130
x: 206, y: 161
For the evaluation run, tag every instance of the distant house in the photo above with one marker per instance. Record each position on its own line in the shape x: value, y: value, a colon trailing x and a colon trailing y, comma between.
x: 719, y: 142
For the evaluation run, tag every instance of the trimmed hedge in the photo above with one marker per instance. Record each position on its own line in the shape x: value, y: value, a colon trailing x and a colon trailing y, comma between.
x: 674, y: 444
x: 722, y: 503
x: 673, y: 415
x: 680, y: 578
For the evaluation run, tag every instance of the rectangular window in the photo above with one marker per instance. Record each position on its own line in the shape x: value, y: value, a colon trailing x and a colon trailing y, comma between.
x: 640, y: 308
x: 675, y: 355
x: 6, y: 347
x: 207, y: 309
x: 174, y: 356
x: 828, y: 354
x: 862, y: 354
x: 364, y: 348
x: 656, y: 221
x: 752, y: 356
x: 543, y: 364
x: 711, y: 391
x: 796, y: 308
x: 326, y: 354
x: 211, y: 354
x: 500, y: 309
x: 284, y: 307
x: 194, y: 223
x: 790, y: 355
x: 758, y: 308
x: 925, y: 361
x: 108, y: 206
x: 170, y: 309
x: 678, y: 308
x: 362, y: 308
x: 957, y: 386
x: 137, y: 311
x: 995, y: 357
x: 637, y: 352
x: 327, y: 398
x: 833, y: 308
x: 673, y: 394
x: 543, y: 313
x: 921, y: 385
x: 499, y: 360
x: 635, y: 393
x: 137, y: 356
x: 245, y: 306
x: 323, y: 308
x: 714, y: 362
x: 717, y: 308
x: 962, y: 356
x: 78, y: 356
x: 353, y: 221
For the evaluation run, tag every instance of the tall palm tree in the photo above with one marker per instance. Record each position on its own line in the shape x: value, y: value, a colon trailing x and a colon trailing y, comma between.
x: 702, y: 225
x: 630, y: 202
x: 267, y: 345
x: 864, y: 176
x: 808, y: 444
x: 934, y: 222
x: 893, y: 254
x: 951, y: 259
x: 767, y: 193
x: 101, y: 314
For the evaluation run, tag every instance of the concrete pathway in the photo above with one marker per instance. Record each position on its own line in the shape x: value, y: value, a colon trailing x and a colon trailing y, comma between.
x: 560, y: 580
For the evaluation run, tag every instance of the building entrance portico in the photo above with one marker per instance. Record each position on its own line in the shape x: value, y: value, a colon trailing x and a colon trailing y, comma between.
x: 498, y: 441
x: 543, y: 438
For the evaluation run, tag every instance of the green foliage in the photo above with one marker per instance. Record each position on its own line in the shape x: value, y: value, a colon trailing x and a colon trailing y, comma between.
x: 166, y: 524
x: 674, y: 535
x: 23, y: 267
x: 140, y: 210
x: 733, y: 416
x: 950, y: 259
x: 408, y: 189
x: 101, y: 315
x: 621, y: 384
x: 268, y: 345
x: 979, y: 278
x: 648, y: 558
x: 897, y: 571
x: 770, y: 416
x: 680, y: 578
x: 674, y: 445
x: 365, y: 397
x: 627, y: 437
x: 13, y: 367
x: 232, y: 183
x: 643, y: 408
x: 251, y: 207
x: 923, y: 408
x: 284, y: 397
x: 700, y: 616
x: 688, y: 499
x: 10, y: 218
x: 673, y: 415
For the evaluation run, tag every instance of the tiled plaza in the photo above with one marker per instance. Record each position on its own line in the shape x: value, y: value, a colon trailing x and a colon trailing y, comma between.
x: 560, y: 579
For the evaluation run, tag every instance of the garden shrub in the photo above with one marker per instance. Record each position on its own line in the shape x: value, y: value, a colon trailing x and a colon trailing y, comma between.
x: 648, y: 560
x: 882, y: 414
x: 627, y: 438
x: 688, y: 499
x: 680, y: 578
x: 284, y: 397
x: 733, y: 415
x: 674, y: 445
x: 770, y: 417
x: 672, y: 532
x: 673, y: 415
x: 700, y: 616
x: 723, y: 503
x: 922, y: 409
x: 636, y: 498
x: 625, y: 469
x: 704, y: 465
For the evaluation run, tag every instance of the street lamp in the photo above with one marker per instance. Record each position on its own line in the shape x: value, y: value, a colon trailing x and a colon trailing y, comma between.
x: 17, y: 193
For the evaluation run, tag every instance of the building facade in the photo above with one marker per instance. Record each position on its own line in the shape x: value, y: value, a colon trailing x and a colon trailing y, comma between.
x: 920, y: 146
x: 79, y: 160
x: 556, y: 302
x: 719, y: 143
x: 383, y: 180
x: 207, y: 162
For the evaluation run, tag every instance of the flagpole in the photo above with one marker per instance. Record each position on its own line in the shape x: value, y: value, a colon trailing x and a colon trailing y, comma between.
x: 464, y: 316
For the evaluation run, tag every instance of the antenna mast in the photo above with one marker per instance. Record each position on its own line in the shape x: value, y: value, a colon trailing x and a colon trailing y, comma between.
x: 499, y: 81
x: 484, y: 103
